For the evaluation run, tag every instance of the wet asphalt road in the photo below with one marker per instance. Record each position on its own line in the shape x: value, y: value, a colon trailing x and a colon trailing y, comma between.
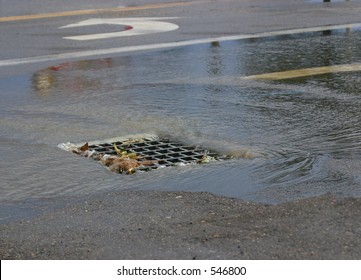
x: 163, y: 225
x: 29, y: 37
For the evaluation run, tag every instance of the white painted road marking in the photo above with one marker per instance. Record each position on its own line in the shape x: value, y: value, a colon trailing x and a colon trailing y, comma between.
x: 120, y: 50
x: 140, y: 26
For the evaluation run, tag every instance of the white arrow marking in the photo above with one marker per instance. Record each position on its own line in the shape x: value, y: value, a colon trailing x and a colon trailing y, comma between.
x: 120, y: 50
x: 140, y: 26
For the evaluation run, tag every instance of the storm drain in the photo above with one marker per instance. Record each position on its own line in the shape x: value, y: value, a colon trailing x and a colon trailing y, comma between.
x: 143, y: 154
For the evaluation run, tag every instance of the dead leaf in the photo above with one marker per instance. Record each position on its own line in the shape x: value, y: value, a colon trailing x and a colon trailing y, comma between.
x: 82, y: 149
x: 85, y: 147
x: 123, y: 161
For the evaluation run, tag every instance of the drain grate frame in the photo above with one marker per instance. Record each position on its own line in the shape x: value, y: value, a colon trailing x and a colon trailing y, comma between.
x: 155, y: 152
x: 163, y: 150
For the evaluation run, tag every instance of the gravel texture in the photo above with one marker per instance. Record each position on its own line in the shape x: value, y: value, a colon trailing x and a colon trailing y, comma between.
x: 182, y: 225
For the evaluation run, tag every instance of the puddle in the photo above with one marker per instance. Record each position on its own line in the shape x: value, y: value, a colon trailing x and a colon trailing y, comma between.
x: 296, y: 129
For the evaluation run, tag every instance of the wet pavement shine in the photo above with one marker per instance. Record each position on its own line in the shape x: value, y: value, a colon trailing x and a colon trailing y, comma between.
x: 303, y: 133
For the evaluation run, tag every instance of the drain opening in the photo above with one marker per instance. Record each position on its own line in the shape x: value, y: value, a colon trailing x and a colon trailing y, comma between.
x: 143, y: 154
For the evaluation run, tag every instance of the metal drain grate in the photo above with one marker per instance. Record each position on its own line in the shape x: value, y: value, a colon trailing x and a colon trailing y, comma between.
x: 154, y: 152
x: 163, y: 151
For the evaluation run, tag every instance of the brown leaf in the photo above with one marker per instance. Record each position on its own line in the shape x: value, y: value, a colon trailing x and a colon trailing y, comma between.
x: 124, y: 165
x: 85, y: 147
x: 81, y: 150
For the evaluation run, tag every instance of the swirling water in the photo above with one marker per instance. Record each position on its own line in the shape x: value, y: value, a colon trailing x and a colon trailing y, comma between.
x: 304, y: 134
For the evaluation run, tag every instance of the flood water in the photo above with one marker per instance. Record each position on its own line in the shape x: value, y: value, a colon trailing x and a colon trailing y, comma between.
x: 304, y: 133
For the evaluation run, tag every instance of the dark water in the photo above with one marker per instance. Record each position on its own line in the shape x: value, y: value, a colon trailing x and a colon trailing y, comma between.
x: 304, y: 134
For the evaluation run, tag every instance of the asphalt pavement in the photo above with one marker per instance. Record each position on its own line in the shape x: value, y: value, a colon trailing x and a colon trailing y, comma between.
x: 181, y: 225
x: 35, y: 30
x: 172, y: 225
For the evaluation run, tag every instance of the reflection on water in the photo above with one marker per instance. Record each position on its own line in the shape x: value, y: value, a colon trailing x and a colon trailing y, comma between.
x: 50, y: 78
x: 301, y: 132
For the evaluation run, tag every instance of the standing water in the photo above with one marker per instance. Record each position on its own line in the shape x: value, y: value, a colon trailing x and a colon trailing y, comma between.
x: 304, y: 134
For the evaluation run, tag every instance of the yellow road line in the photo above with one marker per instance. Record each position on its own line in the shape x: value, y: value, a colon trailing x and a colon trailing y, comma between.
x: 306, y: 72
x: 91, y: 12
